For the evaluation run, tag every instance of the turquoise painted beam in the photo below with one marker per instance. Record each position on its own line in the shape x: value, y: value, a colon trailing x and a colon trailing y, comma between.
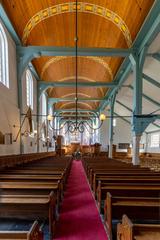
x: 123, y: 105
x: 149, y: 29
x: 154, y: 131
x: 80, y: 84
x: 130, y: 110
x: 147, y: 98
x: 74, y: 110
x: 146, y: 35
x: 156, y: 56
x: 156, y: 125
x: 121, y: 76
x: 38, y: 51
x: 125, y: 120
x: 56, y: 100
x: 44, y: 85
x: 79, y: 116
x: 151, y: 80
x: 34, y: 72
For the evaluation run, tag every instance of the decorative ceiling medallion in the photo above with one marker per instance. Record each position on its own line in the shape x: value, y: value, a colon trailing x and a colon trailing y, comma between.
x: 82, y: 7
x: 96, y: 59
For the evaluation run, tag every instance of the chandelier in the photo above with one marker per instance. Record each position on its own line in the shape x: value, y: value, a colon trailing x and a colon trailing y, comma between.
x: 77, y: 125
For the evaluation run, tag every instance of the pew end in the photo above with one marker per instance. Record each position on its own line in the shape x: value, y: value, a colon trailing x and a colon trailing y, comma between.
x: 124, y: 229
x: 98, y: 193
x: 108, y: 213
x: 34, y: 233
x: 129, y: 231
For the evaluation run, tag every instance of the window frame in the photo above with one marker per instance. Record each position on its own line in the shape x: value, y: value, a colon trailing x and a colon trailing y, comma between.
x: 4, y: 58
x: 152, y: 141
x: 29, y: 89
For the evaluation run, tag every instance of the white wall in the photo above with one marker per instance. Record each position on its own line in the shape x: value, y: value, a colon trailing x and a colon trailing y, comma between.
x: 104, y: 137
x: 9, y: 112
x: 122, y: 133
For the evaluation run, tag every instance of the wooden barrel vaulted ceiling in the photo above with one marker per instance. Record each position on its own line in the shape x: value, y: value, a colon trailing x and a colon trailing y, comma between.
x: 101, y: 23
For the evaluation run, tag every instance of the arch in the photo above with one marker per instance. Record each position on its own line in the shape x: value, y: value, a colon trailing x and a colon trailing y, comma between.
x: 82, y: 7
x: 4, y: 65
x: 59, y: 58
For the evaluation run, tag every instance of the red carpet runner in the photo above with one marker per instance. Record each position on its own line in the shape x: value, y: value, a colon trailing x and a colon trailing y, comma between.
x: 79, y: 217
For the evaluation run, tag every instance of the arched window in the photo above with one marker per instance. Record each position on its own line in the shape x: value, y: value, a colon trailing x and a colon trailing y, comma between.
x: 44, y: 112
x: 29, y: 89
x: 4, y: 75
x: 44, y: 104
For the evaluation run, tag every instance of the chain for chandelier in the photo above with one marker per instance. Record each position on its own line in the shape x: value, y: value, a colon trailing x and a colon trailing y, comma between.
x: 75, y: 125
x: 76, y: 73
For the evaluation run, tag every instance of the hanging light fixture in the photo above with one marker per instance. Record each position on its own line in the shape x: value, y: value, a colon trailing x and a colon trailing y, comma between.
x: 75, y: 126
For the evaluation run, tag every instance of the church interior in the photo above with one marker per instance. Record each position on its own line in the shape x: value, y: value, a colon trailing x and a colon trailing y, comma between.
x: 79, y: 120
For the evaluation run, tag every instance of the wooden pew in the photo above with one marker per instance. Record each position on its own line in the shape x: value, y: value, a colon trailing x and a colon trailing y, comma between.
x: 26, y: 188
x: 124, y: 179
x: 13, y: 160
x: 129, y: 231
x: 41, y: 207
x: 32, y: 178
x: 137, y: 208
x: 119, y: 172
x: 127, y: 189
x: 34, y: 233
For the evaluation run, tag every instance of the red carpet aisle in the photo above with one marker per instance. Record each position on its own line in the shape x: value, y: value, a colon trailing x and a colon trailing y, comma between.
x: 79, y: 217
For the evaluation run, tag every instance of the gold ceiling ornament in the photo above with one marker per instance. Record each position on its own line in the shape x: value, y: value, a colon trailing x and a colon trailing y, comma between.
x: 99, y: 60
x: 82, y: 7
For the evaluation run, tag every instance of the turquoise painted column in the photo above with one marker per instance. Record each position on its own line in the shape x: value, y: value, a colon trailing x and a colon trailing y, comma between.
x: 137, y: 130
x: 112, y: 102
x: 38, y: 117
x: 20, y: 99
x: 47, y: 123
